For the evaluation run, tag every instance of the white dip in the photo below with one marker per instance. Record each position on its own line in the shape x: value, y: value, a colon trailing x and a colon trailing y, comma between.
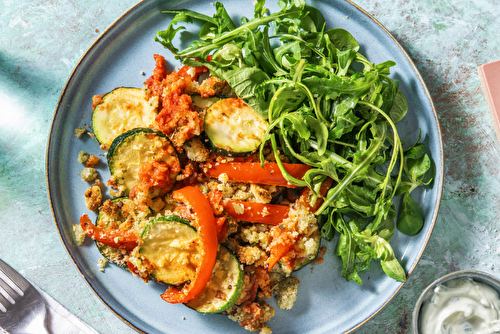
x: 461, y: 306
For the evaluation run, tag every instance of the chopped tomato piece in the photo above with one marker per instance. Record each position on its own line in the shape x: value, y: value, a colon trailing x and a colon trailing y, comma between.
x: 192, y: 71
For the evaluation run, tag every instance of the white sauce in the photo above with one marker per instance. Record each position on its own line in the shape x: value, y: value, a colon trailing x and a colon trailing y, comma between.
x: 462, y: 306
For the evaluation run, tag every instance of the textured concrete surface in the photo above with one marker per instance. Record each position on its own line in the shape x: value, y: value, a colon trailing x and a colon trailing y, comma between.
x: 41, y: 42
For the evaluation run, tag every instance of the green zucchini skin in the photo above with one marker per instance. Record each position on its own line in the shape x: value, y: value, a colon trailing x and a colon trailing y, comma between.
x: 233, y: 129
x: 122, y: 109
x: 230, y: 283
x: 172, y: 249
x: 175, y: 218
x: 134, y: 149
x: 118, y: 140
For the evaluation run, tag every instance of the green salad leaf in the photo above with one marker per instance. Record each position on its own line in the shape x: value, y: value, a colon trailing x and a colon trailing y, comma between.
x: 329, y: 107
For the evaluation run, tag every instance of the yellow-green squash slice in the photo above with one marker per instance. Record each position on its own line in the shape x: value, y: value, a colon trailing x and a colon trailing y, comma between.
x: 171, y: 248
x: 233, y: 128
x: 224, y: 287
x: 121, y: 110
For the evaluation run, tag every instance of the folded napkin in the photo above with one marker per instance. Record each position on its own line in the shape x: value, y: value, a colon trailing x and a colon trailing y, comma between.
x: 60, y: 320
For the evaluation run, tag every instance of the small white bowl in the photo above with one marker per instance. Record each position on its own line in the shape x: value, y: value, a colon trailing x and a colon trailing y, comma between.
x: 478, y: 276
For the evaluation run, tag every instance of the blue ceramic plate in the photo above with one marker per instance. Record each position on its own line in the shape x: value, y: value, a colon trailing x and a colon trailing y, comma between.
x: 326, y: 302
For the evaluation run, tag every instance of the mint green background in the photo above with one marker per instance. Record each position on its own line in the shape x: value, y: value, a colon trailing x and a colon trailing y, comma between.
x: 42, y: 41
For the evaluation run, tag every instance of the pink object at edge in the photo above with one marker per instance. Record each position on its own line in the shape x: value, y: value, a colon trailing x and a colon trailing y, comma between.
x: 489, y: 75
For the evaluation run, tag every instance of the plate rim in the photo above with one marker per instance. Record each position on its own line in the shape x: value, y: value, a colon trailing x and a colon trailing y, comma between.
x: 130, y: 12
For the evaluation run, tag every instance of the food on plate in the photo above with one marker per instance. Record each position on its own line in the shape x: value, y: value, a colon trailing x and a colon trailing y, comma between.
x: 143, y: 159
x: 123, y: 109
x: 233, y: 128
x: 227, y: 174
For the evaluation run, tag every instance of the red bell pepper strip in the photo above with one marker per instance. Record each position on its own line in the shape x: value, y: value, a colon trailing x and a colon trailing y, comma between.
x: 215, y: 197
x: 221, y: 228
x: 207, y: 230
x: 281, y: 244
x: 126, y: 240
x: 252, y: 172
x: 303, y: 200
x: 282, y: 240
x: 133, y: 269
x: 271, y: 214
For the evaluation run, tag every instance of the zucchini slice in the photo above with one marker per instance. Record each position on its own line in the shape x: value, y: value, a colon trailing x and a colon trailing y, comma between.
x: 136, y: 149
x: 224, y: 287
x: 121, y: 110
x: 202, y: 103
x: 233, y: 128
x: 171, y: 248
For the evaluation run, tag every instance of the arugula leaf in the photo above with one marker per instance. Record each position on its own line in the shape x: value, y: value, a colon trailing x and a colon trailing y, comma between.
x: 410, y: 220
x: 340, y: 85
x: 399, y: 107
x: 342, y: 39
x: 243, y: 81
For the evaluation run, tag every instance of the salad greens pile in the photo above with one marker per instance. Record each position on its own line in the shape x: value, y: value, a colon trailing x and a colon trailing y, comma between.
x: 327, y: 106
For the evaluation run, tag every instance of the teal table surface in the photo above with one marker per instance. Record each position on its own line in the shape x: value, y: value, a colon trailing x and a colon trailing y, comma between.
x: 42, y: 41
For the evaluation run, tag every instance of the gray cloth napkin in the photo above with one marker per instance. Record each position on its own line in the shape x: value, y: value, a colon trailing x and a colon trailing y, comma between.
x: 60, y: 320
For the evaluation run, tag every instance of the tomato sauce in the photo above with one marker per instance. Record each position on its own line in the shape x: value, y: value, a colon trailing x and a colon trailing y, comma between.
x: 177, y: 118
